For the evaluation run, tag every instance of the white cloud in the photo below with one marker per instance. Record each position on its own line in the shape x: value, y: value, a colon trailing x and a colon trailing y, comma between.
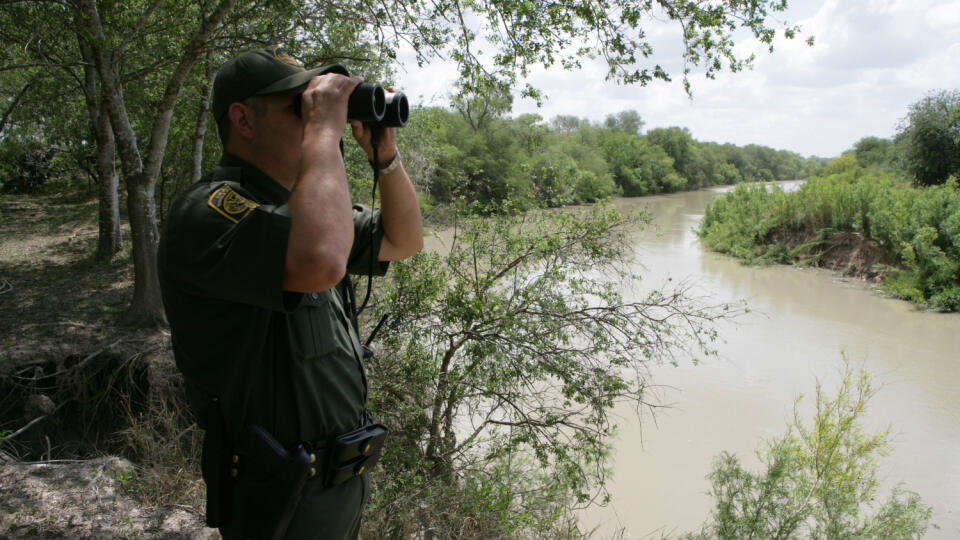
x: 872, y: 58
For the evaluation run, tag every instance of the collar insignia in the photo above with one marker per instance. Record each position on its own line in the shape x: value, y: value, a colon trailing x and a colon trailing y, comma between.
x: 230, y: 204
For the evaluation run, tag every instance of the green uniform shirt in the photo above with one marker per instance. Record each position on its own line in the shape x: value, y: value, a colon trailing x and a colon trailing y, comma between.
x: 289, y: 362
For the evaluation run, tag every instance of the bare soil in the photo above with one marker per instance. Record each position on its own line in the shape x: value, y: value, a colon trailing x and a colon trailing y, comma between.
x: 86, y: 500
x: 849, y: 253
x: 75, y: 385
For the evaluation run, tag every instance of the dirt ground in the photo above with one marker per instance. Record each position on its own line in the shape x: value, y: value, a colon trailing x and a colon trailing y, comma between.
x: 54, y: 300
x: 848, y: 253
x: 86, y: 500
x: 58, y: 316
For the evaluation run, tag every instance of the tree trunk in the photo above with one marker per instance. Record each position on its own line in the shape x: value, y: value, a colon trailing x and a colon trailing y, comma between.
x: 108, y: 191
x: 146, y: 307
x: 108, y: 181
x: 202, y: 115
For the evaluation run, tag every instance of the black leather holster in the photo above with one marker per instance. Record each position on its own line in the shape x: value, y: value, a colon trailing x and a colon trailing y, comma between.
x: 270, y: 479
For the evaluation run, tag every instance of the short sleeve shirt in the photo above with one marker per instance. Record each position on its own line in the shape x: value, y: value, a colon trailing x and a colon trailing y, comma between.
x: 289, y: 362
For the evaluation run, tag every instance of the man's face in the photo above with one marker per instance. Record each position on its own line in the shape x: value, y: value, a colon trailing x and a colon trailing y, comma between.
x: 279, y: 133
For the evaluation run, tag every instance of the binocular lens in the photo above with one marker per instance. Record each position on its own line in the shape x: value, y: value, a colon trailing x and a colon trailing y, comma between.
x: 397, y: 112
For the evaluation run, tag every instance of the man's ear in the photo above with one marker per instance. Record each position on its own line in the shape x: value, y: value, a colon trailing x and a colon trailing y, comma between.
x: 243, y: 121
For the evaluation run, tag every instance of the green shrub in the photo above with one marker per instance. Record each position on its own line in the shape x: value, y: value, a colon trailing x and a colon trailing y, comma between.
x: 919, y: 227
x: 818, y: 480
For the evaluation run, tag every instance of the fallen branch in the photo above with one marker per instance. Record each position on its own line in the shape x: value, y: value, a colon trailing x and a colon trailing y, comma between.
x: 6, y: 438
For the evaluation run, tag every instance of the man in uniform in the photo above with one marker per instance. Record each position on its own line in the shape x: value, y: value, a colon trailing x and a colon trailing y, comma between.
x: 253, y: 261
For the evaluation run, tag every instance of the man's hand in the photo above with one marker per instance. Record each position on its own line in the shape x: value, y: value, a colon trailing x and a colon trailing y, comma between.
x: 400, y: 208
x: 324, y: 101
x: 386, y: 141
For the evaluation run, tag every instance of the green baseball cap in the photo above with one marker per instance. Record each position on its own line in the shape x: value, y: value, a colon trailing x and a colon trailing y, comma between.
x: 263, y: 71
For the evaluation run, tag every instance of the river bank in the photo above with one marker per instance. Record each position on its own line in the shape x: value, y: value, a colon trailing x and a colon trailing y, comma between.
x: 76, y: 385
x: 862, y: 221
x: 817, y: 313
x: 803, y: 321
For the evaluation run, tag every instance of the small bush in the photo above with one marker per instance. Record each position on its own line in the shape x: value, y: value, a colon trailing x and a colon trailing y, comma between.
x: 818, y: 480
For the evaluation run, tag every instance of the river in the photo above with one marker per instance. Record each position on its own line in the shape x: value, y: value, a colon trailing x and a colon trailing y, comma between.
x: 801, y: 323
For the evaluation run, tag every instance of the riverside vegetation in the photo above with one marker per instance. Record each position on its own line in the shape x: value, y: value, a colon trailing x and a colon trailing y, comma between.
x: 501, y: 359
x: 894, y: 205
x: 817, y: 480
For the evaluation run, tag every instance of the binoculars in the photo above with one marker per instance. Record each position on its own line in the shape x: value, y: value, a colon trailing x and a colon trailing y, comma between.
x: 371, y: 104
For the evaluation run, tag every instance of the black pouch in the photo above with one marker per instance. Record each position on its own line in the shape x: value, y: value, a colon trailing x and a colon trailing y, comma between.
x: 269, y: 483
x: 354, y: 452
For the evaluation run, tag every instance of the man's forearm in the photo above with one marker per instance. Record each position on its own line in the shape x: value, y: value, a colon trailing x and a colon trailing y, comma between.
x: 400, y: 212
x: 321, y: 229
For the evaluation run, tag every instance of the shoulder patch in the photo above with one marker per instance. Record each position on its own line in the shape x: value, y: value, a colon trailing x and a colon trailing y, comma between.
x: 230, y: 204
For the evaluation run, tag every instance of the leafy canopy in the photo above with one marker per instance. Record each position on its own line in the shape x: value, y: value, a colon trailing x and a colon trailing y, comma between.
x: 526, y: 33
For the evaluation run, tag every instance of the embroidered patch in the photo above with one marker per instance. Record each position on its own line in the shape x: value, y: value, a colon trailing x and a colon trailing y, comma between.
x: 230, y: 204
x: 282, y: 55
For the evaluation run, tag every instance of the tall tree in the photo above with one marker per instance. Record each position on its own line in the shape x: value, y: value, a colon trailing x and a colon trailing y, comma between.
x: 874, y: 151
x: 508, y: 354
x: 930, y: 138
x: 141, y: 174
x: 677, y: 142
x: 626, y: 121
x: 143, y: 53
x: 108, y: 180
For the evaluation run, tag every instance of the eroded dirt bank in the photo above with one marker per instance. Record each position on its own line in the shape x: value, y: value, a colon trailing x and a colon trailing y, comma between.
x: 75, y: 386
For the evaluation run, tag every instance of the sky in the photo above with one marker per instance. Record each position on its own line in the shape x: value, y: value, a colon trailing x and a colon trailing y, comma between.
x: 871, y: 60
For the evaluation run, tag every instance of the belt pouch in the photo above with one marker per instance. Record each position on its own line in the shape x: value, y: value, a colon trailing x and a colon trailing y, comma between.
x: 355, y: 452
x: 270, y: 481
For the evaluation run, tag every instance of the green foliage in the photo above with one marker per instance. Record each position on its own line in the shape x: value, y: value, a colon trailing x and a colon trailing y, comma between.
x: 818, y: 480
x: 478, y: 155
x: 677, y: 143
x: 24, y: 169
x: 919, y: 227
x: 518, y: 35
x: 875, y: 152
x: 625, y: 121
x: 741, y: 223
x: 930, y: 138
x: 501, y: 364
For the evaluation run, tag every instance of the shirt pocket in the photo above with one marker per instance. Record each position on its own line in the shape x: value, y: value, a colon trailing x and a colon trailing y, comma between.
x: 316, y: 328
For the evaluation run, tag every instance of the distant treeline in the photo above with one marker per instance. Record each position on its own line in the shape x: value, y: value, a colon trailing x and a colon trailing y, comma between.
x: 488, y: 159
x: 901, y: 193
x: 534, y: 163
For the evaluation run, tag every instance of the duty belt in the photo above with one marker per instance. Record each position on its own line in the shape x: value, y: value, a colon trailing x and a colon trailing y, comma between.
x: 344, y: 457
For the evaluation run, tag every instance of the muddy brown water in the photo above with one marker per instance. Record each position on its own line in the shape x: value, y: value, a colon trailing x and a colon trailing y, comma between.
x: 801, y: 324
